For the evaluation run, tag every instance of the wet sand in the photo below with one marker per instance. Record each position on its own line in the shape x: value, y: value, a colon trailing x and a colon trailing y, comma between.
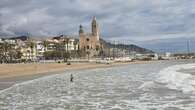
x: 11, y: 74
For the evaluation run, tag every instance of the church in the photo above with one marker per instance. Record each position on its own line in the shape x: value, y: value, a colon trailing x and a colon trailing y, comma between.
x: 90, y: 42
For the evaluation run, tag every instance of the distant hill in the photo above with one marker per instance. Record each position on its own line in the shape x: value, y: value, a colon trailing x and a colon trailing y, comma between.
x: 23, y: 38
x: 130, y: 47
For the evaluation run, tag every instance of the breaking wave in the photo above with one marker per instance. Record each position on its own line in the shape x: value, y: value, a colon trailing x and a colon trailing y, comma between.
x: 175, y: 79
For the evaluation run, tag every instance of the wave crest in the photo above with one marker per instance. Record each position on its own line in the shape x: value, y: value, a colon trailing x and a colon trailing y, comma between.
x: 176, y: 79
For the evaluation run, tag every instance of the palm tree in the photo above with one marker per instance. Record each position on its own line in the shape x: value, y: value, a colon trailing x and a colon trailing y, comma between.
x: 45, y: 44
x: 75, y: 49
x: 18, y: 54
x: 1, y: 52
x: 6, y: 48
x: 58, y: 51
x: 66, y: 53
x: 66, y: 42
x: 31, y: 45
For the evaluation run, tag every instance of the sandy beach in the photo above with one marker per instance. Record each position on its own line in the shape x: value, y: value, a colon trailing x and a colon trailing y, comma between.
x: 13, y: 73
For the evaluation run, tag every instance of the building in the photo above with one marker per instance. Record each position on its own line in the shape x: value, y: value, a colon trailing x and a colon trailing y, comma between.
x: 50, y: 44
x: 33, y: 50
x: 90, y: 42
x: 68, y: 43
x: 28, y: 50
x: 28, y: 53
x: 62, y: 42
x: 40, y: 49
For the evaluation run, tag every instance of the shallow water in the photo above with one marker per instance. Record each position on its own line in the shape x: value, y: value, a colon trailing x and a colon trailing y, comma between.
x: 154, y: 86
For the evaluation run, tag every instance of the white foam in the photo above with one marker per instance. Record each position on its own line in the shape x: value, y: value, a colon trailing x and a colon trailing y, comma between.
x: 178, y: 80
x: 147, y: 85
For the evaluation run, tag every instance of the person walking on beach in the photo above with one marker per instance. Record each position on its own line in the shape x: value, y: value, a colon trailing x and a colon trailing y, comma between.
x: 71, y: 78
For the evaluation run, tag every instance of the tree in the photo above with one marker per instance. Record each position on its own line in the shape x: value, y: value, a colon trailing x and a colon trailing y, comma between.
x: 7, y: 52
x: 88, y: 53
x: 50, y: 55
x: 76, y: 50
x: 18, y: 54
x: 66, y: 54
x: 1, y: 53
x: 6, y: 48
x: 45, y: 44
x: 66, y: 42
x: 31, y: 45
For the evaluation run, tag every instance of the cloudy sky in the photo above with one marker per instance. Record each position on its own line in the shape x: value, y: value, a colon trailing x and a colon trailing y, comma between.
x: 155, y: 24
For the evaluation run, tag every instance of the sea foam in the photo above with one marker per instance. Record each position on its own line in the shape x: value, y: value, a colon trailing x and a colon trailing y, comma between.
x: 175, y: 79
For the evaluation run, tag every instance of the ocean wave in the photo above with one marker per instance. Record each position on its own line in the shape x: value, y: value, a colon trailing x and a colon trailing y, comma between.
x: 178, y: 80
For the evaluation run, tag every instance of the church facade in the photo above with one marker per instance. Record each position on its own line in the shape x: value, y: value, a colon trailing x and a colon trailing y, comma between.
x: 90, y: 42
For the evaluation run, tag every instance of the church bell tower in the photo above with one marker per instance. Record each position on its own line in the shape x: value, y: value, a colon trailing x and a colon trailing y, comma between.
x: 95, y: 27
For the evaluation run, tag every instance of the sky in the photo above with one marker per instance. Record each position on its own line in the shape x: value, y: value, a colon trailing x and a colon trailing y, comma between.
x: 155, y: 24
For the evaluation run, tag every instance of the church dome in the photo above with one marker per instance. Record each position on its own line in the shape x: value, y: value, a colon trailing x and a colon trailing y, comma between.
x: 81, y: 29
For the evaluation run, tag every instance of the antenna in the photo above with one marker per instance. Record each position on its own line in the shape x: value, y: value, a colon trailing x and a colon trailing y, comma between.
x: 188, y: 46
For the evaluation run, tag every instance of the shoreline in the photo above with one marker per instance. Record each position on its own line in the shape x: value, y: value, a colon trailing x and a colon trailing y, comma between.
x: 14, y: 76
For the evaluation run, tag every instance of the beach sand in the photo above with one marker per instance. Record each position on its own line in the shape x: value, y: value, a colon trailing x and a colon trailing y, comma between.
x: 14, y: 73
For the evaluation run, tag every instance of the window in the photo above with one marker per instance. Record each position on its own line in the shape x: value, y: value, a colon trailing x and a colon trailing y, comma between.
x: 88, y: 47
x: 87, y: 39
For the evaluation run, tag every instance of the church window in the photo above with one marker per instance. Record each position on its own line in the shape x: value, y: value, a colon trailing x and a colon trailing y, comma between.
x: 87, y: 39
x: 88, y: 47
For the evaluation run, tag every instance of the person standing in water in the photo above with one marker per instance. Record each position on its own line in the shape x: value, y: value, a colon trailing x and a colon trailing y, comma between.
x: 71, y: 78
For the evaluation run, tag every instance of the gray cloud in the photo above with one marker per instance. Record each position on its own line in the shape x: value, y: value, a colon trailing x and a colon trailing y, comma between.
x: 137, y: 20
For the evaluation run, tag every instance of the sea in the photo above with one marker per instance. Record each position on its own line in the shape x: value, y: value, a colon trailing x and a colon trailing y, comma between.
x: 160, y: 85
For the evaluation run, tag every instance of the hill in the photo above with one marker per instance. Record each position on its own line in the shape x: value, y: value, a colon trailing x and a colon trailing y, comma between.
x: 129, y: 47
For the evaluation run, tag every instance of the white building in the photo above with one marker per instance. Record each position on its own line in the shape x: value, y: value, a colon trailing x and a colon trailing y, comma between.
x: 10, y: 41
x: 40, y: 48
x: 1, y: 41
x: 72, y: 45
x: 69, y: 44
